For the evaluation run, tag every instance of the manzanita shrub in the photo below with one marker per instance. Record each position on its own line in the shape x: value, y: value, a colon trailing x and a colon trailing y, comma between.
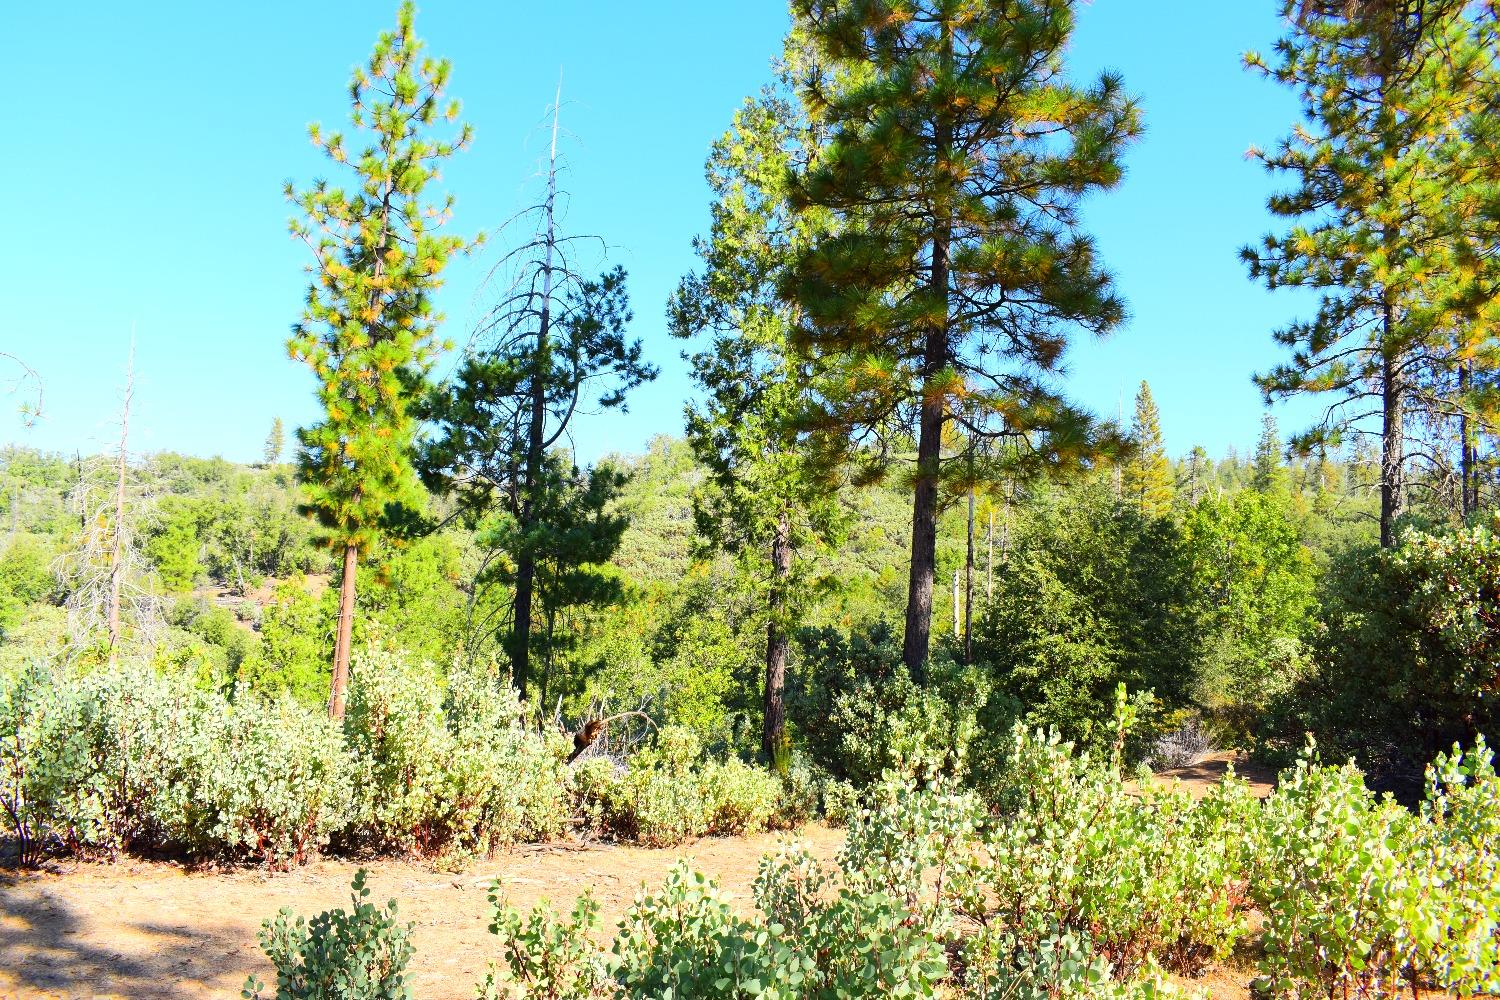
x: 449, y: 771
x: 1362, y: 897
x: 435, y: 765
x: 670, y: 792
x: 686, y: 940
x: 125, y: 757
x: 883, y: 922
x: 1074, y: 857
x: 355, y: 954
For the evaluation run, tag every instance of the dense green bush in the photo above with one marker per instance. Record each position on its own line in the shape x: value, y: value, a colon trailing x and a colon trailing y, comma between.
x: 124, y: 757
x: 880, y: 924
x: 448, y: 771
x: 861, y: 714
x: 1405, y: 663
x: 267, y: 779
x: 685, y: 940
x: 360, y: 954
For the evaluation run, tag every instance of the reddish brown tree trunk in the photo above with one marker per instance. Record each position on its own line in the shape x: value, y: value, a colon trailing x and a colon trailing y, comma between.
x: 924, y: 509
x: 338, y: 691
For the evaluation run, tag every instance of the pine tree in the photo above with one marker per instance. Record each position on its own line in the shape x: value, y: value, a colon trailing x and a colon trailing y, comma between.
x: 1387, y: 88
x: 369, y: 331
x: 1474, y: 221
x: 771, y: 487
x: 1197, y: 473
x: 1147, y: 475
x: 956, y: 158
x: 275, y: 443
x: 1269, y: 475
x: 554, y: 342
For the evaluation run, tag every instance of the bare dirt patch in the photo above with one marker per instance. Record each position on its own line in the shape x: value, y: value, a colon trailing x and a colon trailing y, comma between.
x: 154, y: 930
x: 1201, y: 775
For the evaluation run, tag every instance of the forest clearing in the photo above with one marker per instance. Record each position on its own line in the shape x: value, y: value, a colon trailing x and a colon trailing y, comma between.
x: 924, y: 572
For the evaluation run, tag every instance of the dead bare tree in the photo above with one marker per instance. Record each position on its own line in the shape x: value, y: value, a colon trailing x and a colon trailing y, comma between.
x: 25, y: 383
x: 596, y: 734
x: 108, y: 579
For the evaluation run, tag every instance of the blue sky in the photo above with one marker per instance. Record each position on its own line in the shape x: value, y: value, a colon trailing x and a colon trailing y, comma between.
x: 149, y: 144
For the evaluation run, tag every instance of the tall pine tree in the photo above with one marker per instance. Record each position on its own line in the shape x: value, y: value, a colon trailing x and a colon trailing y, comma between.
x: 1387, y: 87
x: 368, y: 331
x: 555, y: 343
x: 956, y: 159
x: 1148, y: 474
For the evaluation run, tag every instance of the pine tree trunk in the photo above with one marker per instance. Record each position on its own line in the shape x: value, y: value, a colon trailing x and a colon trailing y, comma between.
x: 344, y: 638
x: 520, y: 639
x: 1392, y: 439
x: 1468, y: 475
x: 969, y: 587
x: 773, y: 730
x: 924, y: 508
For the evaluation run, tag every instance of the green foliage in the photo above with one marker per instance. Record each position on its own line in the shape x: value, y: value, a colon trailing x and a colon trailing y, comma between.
x: 687, y: 941
x: 267, y: 779
x: 172, y: 545
x: 942, y: 297
x: 126, y: 758
x: 452, y: 772
x: 1369, y: 226
x: 860, y: 714
x: 1075, y: 857
x: 357, y: 954
x: 1259, y: 580
x: 1146, y: 480
x: 1362, y: 896
x: 25, y: 579
x: 1416, y: 626
x: 546, y: 958
x: 668, y: 793
x: 368, y: 332
x: 295, y: 628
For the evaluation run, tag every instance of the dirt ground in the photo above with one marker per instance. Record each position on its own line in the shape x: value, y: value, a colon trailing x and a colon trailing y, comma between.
x: 154, y: 930
x: 141, y: 929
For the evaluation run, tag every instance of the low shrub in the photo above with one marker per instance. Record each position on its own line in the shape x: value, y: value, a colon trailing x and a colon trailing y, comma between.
x: 1362, y: 897
x: 544, y: 957
x: 360, y: 954
x: 862, y: 713
x: 669, y: 793
x: 126, y: 758
x: 1145, y: 875
x: 266, y: 779
x: 448, y: 772
x: 43, y: 757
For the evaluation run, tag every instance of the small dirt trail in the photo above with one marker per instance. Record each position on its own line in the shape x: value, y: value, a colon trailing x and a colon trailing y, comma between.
x: 145, y: 930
